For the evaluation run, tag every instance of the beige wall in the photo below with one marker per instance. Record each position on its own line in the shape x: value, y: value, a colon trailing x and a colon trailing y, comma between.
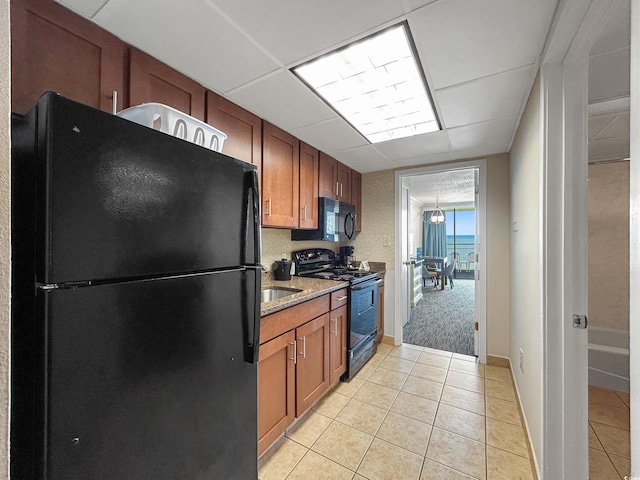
x: 276, y: 241
x: 5, y: 231
x: 609, y: 245
x: 526, y: 266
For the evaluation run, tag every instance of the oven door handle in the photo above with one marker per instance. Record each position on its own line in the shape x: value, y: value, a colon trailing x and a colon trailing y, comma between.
x: 366, y: 285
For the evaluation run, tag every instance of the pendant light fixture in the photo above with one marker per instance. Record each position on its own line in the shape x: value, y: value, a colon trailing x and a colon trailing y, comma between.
x: 437, y: 216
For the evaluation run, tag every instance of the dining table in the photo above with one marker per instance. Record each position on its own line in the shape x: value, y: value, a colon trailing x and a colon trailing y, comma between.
x: 439, y: 262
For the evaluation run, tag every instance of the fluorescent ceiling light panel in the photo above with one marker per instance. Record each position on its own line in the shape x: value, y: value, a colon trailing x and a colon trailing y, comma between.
x: 376, y: 85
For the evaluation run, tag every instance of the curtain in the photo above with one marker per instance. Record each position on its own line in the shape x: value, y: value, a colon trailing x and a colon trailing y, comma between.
x: 434, y: 236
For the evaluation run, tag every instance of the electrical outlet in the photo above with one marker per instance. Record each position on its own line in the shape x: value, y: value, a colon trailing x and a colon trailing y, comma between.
x: 386, y: 241
x: 284, y: 255
x: 522, y: 360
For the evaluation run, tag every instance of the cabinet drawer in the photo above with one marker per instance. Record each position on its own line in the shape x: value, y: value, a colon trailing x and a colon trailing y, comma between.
x: 280, y: 322
x: 339, y: 298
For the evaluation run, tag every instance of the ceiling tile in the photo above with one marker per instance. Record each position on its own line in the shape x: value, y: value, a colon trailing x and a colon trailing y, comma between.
x: 481, y: 151
x: 461, y: 40
x: 357, y: 156
x: 314, y: 25
x: 618, y: 127
x: 617, y: 31
x: 609, y: 75
x: 88, y: 8
x: 374, y: 167
x: 329, y: 135
x: 608, y: 149
x: 190, y: 37
x: 596, y: 124
x: 486, y: 99
x: 411, y: 5
x: 428, y: 143
x: 283, y: 100
x: 423, y: 160
x: 493, y: 132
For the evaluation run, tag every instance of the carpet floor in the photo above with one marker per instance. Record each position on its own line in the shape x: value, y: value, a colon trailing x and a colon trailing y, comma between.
x: 443, y: 319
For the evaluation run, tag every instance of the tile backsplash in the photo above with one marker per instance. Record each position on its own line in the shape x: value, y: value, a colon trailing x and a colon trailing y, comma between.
x: 276, y: 241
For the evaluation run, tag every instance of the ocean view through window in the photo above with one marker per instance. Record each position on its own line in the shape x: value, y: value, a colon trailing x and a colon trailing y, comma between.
x: 461, y: 236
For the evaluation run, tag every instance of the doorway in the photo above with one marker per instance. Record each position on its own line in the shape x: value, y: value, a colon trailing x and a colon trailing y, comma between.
x: 402, y: 254
x: 442, y: 224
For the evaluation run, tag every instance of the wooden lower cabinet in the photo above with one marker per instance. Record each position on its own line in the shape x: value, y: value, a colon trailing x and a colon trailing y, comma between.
x: 312, y: 364
x: 276, y: 388
x: 337, y: 344
x: 305, y: 353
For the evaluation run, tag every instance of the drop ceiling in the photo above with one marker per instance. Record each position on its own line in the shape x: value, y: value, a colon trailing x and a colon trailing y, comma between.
x: 480, y: 58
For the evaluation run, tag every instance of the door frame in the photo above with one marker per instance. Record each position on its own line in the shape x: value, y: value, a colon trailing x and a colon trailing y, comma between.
x: 564, y: 101
x: 481, y: 287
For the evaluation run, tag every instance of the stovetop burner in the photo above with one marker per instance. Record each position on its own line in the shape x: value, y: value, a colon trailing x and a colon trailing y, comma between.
x: 322, y: 263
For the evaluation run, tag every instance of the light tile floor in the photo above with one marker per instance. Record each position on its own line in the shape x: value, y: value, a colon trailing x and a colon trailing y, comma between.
x: 609, y: 446
x: 411, y: 413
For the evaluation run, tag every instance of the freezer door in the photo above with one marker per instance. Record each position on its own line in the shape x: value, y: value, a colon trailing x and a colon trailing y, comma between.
x: 147, y: 380
x: 119, y: 200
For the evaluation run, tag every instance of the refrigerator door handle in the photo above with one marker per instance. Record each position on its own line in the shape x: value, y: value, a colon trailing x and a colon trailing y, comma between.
x: 253, y: 342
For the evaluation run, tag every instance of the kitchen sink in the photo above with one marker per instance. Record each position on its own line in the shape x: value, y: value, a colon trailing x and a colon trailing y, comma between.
x: 274, y: 293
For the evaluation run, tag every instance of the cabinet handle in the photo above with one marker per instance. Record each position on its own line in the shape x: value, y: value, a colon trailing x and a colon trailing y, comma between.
x: 304, y: 212
x: 114, y: 104
x: 304, y: 347
x: 268, y: 207
x: 340, y: 189
x: 294, y: 352
x: 335, y: 332
x: 341, y: 298
x: 337, y: 189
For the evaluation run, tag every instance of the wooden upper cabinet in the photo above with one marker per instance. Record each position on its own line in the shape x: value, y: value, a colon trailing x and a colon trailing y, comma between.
x: 55, y: 49
x: 153, y: 81
x: 334, y: 179
x: 344, y: 183
x: 328, y: 176
x: 280, y: 177
x: 356, y: 197
x: 243, y: 129
x: 308, y: 187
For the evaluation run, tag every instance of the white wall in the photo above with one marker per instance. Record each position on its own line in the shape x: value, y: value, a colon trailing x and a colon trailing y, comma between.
x: 609, y: 245
x: 5, y: 235
x: 526, y: 266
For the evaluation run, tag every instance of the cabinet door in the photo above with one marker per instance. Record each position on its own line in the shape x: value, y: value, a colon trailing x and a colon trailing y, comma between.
x: 344, y: 183
x: 276, y: 394
x: 308, y: 187
x: 312, y: 367
x: 153, y: 81
x: 338, y: 344
x: 280, y: 177
x: 55, y: 49
x: 328, y: 176
x: 380, y: 325
x: 356, y: 197
x: 243, y: 129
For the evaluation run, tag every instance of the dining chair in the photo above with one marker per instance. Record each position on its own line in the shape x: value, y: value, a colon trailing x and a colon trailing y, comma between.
x: 448, y: 272
x: 428, y: 273
x: 471, y: 259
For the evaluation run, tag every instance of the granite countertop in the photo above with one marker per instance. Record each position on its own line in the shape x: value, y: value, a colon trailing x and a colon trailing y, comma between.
x: 311, y: 288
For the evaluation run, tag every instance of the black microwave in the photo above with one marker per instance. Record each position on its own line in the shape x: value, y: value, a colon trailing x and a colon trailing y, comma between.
x: 336, y: 222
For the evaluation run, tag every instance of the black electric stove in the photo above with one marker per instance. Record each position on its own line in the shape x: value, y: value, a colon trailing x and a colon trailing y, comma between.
x: 324, y: 263
x: 362, y: 316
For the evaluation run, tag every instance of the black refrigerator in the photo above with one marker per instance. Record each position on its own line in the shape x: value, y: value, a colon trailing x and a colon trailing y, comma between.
x: 136, y: 311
